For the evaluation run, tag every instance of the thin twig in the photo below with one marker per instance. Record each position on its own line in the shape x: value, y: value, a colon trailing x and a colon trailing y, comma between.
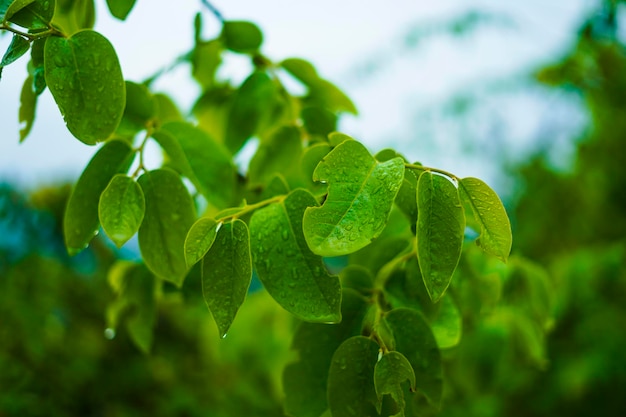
x: 213, y: 10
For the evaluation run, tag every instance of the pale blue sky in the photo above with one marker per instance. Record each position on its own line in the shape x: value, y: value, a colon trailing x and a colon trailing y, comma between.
x: 341, y: 38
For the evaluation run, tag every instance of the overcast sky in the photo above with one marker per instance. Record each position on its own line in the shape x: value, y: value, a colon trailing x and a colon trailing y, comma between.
x: 360, y: 45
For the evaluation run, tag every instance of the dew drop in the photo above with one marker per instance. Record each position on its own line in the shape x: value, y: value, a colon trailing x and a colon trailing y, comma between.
x: 109, y: 333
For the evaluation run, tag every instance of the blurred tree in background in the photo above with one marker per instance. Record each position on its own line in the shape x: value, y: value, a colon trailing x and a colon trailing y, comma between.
x: 543, y: 335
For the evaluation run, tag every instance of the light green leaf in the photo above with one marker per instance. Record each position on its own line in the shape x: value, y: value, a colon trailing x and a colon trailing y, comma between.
x: 301, y: 69
x: 294, y: 276
x: 136, y: 290
x: 312, y: 157
x: 31, y: 14
x: 250, y: 109
x: 28, y: 104
x: 85, y: 79
x: 305, y: 381
x: 440, y: 231
x: 351, y: 390
x: 121, y: 209
x: 280, y: 153
x: 392, y: 370
x: 81, y: 223
x: 205, y: 59
x: 415, y: 340
x: 198, y: 157
x: 447, y: 323
x: 226, y: 273
x: 120, y: 8
x: 337, y: 138
x: 18, y: 47
x: 199, y: 240
x: 166, y: 109
x: 141, y: 106
x: 169, y: 215
x: 360, y: 196
x: 241, y: 36
x: 495, y: 229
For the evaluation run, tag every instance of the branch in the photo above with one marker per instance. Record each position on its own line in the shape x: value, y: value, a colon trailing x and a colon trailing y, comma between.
x: 213, y: 10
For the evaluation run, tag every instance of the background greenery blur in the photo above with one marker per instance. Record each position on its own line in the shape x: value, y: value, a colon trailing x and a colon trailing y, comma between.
x: 544, y: 335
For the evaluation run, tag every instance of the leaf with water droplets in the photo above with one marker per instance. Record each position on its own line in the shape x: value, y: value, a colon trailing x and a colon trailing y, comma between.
x: 121, y: 209
x: 226, y: 273
x: 31, y: 14
x: 305, y: 381
x: 201, y: 159
x: 391, y: 371
x: 85, y: 79
x: 293, y: 275
x: 415, y: 340
x: 18, y: 47
x: 199, y: 239
x: 81, y: 222
x: 169, y: 215
x: 351, y: 390
x: 495, y: 229
x: 360, y: 196
x: 440, y: 230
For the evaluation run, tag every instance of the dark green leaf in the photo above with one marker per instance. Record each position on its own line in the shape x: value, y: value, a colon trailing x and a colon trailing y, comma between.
x: 241, y: 36
x: 305, y: 381
x: 351, y: 390
x: 81, y: 215
x: 495, y: 229
x: 357, y: 278
x: 318, y: 120
x: 280, y: 153
x: 205, y: 59
x: 440, y: 231
x: 136, y: 290
x: 121, y: 209
x: 141, y: 107
x: 36, y: 65
x: 35, y: 14
x: 4, y: 6
x: 226, y: 273
x: 416, y: 342
x: 250, y: 109
x: 276, y: 186
x: 360, y: 196
x: 294, y: 276
x: 199, y: 240
x: 18, y: 47
x: 120, y: 8
x: 169, y: 215
x: 85, y: 79
x: 198, y: 157
x: 391, y: 371
x: 28, y: 104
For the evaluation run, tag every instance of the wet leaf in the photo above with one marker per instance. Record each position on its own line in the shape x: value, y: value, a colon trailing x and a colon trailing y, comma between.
x: 199, y: 240
x: 360, y: 196
x: 392, y: 370
x: 169, y: 215
x: 293, y: 275
x: 85, y: 79
x: 18, y: 47
x: 495, y: 229
x: 121, y: 209
x: 81, y: 222
x: 31, y: 14
x: 226, y: 273
x: 440, y: 231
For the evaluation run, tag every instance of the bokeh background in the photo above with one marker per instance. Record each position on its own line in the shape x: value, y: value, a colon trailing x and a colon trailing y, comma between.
x: 528, y: 95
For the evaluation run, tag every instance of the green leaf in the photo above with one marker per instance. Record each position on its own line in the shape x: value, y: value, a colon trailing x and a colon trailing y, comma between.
x: 136, y: 290
x: 141, y: 107
x: 495, y: 229
x: 318, y: 120
x: 357, y: 278
x: 303, y: 70
x: 351, y: 390
x: 81, y: 215
x: 360, y: 196
x: 166, y: 109
x: 415, y: 340
x: 392, y: 370
x: 312, y: 157
x: 447, y: 323
x: 169, y: 215
x: 36, y: 65
x: 28, y: 104
x: 280, y: 153
x: 121, y: 209
x: 440, y: 231
x: 198, y: 157
x: 226, y: 273
x: 294, y: 276
x: 120, y: 8
x: 31, y: 14
x: 85, y: 79
x: 4, y: 6
x: 18, y: 47
x: 250, y: 109
x: 205, y: 59
x: 199, y: 240
x: 241, y: 36
x: 305, y: 381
